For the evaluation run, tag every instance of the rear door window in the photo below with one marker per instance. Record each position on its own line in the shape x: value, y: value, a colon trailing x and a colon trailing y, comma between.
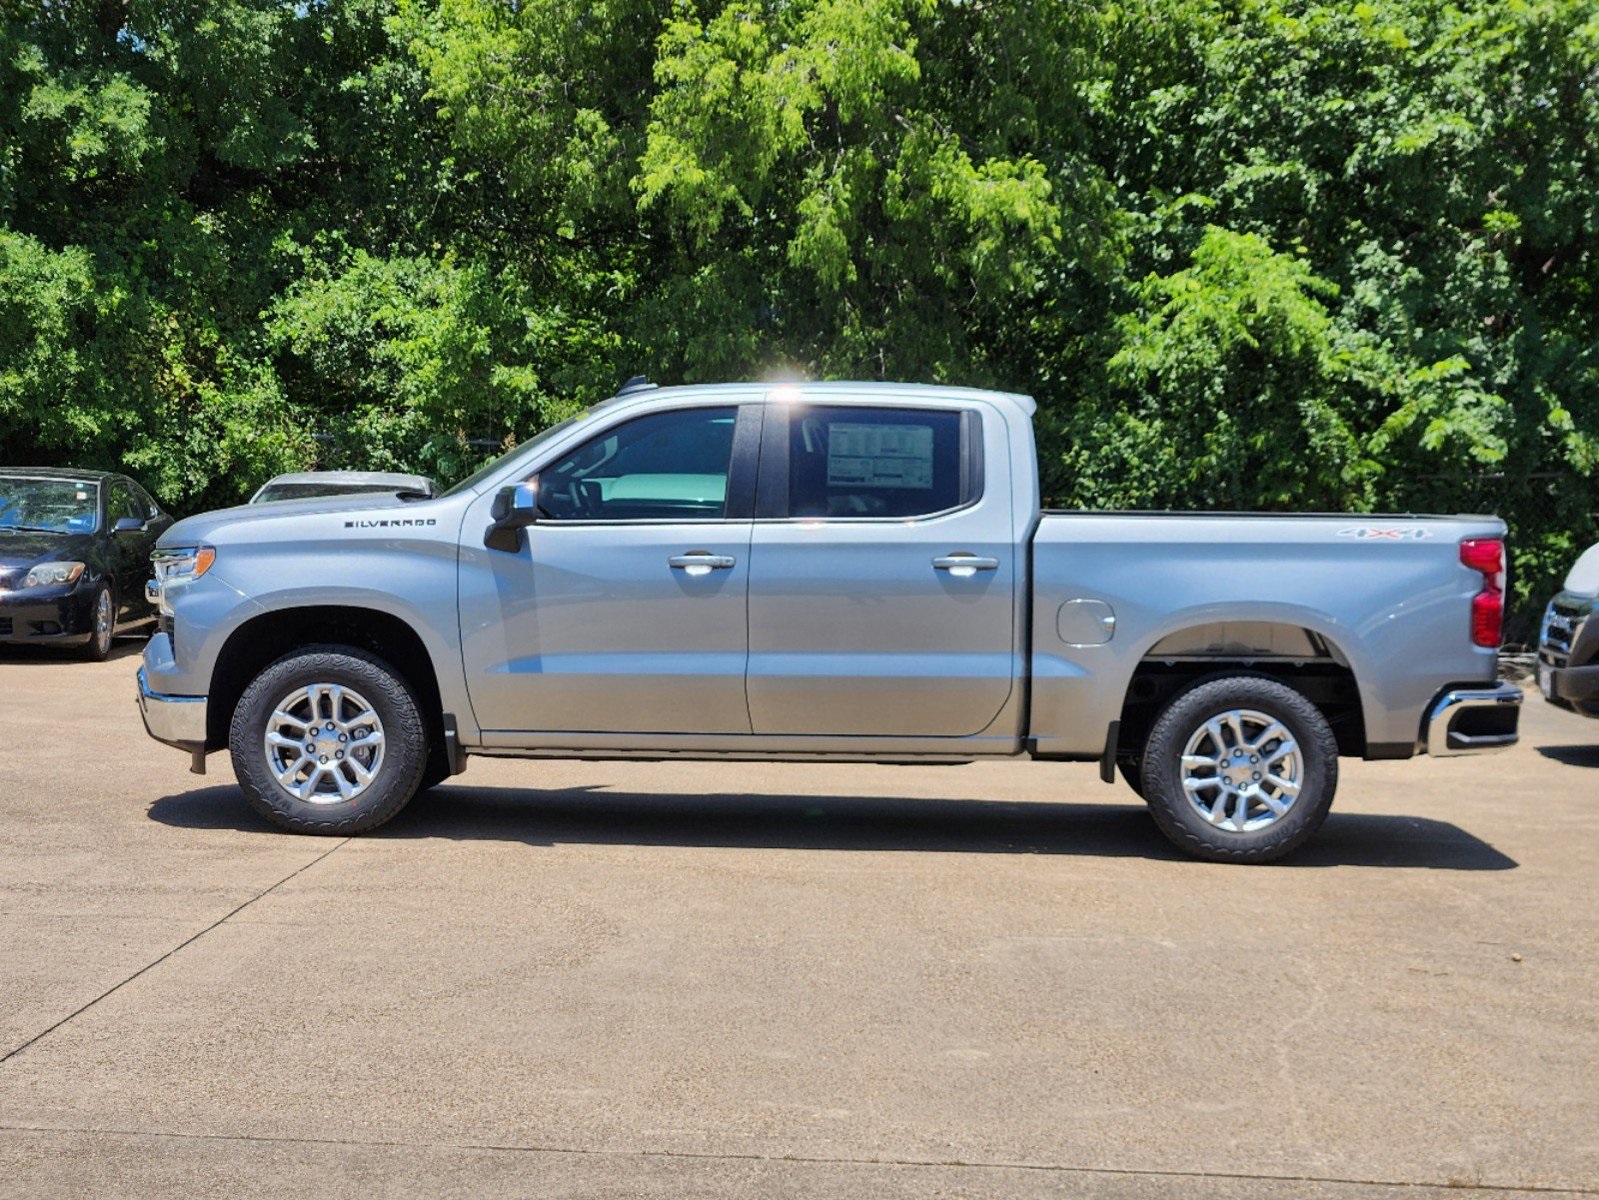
x: 145, y: 506
x: 874, y: 462
x: 120, y: 503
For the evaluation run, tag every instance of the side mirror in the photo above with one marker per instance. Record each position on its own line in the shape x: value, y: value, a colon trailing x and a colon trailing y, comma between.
x: 128, y: 525
x: 514, y: 509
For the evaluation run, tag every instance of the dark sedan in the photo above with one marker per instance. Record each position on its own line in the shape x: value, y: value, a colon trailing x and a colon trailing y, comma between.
x: 74, y: 556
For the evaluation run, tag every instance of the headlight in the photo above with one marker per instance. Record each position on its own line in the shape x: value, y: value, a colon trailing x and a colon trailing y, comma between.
x: 53, y: 574
x: 176, y: 568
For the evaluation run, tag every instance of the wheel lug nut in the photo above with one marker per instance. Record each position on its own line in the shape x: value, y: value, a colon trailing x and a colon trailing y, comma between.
x: 339, y: 754
x: 342, y: 738
x: 324, y: 758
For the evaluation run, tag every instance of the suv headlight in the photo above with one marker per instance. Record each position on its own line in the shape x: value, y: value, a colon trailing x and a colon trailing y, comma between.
x: 176, y: 568
x: 53, y: 574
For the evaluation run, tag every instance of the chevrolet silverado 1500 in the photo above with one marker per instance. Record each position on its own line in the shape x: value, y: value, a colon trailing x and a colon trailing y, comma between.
x: 818, y: 572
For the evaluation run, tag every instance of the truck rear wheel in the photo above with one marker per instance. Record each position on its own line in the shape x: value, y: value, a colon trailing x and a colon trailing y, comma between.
x: 328, y: 740
x: 1240, y: 769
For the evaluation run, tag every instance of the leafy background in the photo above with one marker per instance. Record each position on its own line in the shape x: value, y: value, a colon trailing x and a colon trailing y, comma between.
x: 1245, y: 254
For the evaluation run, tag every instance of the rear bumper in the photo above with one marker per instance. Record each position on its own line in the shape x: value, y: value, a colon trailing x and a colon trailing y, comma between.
x: 1473, y: 720
x: 176, y: 720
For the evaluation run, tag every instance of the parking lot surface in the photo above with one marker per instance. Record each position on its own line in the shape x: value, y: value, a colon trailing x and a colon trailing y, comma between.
x: 768, y: 980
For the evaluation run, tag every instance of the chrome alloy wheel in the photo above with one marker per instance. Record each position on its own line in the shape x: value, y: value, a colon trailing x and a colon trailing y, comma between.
x: 104, y: 621
x: 1242, y: 770
x: 324, y: 743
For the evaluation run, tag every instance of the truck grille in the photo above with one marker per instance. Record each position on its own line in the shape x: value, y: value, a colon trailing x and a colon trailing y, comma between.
x: 1561, y: 625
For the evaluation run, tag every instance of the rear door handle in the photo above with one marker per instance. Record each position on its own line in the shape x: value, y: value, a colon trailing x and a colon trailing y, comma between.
x: 700, y: 562
x: 965, y: 565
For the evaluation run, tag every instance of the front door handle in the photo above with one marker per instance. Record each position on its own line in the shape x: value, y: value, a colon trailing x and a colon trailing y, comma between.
x: 965, y: 565
x: 700, y: 562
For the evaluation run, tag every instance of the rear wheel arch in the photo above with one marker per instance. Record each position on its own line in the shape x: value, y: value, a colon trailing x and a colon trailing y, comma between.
x: 1305, y: 659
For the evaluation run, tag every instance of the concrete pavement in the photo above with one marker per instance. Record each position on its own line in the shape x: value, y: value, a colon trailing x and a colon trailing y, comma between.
x: 750, y: 979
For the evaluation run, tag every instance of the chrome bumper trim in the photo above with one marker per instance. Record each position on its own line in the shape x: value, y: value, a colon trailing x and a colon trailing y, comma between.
x: 176, y: 720
x: 1444, y: 740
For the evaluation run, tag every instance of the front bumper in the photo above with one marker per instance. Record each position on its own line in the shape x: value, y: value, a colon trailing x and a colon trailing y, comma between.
x: 1473, y: 720
x: 56, y: 619
x: 176, y: 720
x: 1570, y: 634
x: 1571, y: 685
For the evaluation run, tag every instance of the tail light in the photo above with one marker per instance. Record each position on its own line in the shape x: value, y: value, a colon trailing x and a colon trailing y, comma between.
x: 1486, y: 555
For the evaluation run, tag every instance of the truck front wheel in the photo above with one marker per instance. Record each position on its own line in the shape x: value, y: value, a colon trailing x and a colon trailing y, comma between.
x: 328, y: 740
x: 1240, y: 769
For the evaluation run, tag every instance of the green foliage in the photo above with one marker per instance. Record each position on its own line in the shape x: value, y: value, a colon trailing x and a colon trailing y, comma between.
x: 1271, y: 394
x: 1249, y: 253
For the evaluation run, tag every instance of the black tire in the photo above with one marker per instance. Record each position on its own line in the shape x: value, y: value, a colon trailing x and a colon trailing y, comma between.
x: 98, y: 647
x: 1163, y: 771
x: 405, y: 741
x: 1132, y: 774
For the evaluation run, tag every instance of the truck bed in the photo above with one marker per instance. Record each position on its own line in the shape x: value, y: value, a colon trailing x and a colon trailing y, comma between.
x: 1383, y: 598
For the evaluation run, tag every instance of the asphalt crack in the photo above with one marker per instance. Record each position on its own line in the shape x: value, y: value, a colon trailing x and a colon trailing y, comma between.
x: 821, y: 1160
x: 150, y: 966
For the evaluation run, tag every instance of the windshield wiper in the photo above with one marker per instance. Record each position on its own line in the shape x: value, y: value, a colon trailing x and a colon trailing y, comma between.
x: 31, y: 529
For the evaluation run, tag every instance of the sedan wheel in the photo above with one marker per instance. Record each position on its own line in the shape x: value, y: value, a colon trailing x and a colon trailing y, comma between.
x: 103, y: 626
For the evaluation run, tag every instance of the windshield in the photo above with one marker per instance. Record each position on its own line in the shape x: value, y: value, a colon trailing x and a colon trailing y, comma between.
x: 304, y: 491
x: 491, y: 468
x: 49, y: 505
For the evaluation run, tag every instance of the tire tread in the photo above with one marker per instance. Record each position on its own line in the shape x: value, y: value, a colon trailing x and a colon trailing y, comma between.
x: 381, y: 683
x: 1170, y: 732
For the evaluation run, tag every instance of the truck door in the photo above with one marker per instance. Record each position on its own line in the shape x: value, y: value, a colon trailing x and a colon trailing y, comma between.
x: 624, y: 610
x: 882, y: 585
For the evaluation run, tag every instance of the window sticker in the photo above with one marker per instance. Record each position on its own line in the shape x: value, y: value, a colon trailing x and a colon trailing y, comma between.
x: 879, y: 456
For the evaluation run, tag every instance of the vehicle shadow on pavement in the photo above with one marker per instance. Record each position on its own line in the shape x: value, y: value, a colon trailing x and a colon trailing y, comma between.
x: 870, y: 823
x: 1572, y: 756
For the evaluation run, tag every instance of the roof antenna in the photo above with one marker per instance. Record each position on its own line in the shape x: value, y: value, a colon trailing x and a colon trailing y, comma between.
x: 639, y: 383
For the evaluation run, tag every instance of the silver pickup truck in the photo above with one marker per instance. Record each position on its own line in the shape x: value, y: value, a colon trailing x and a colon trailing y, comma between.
x: 855, y: 572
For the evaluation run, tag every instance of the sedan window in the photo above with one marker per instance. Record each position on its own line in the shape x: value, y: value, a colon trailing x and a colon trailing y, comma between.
x: 49, y: 505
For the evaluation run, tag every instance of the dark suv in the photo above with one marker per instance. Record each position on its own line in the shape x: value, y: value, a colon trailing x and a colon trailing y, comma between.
x: 74, y: 556
x: 1568, y: 643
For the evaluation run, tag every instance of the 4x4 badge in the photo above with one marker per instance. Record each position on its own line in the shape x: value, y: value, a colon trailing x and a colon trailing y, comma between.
x: 1375, y: 533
